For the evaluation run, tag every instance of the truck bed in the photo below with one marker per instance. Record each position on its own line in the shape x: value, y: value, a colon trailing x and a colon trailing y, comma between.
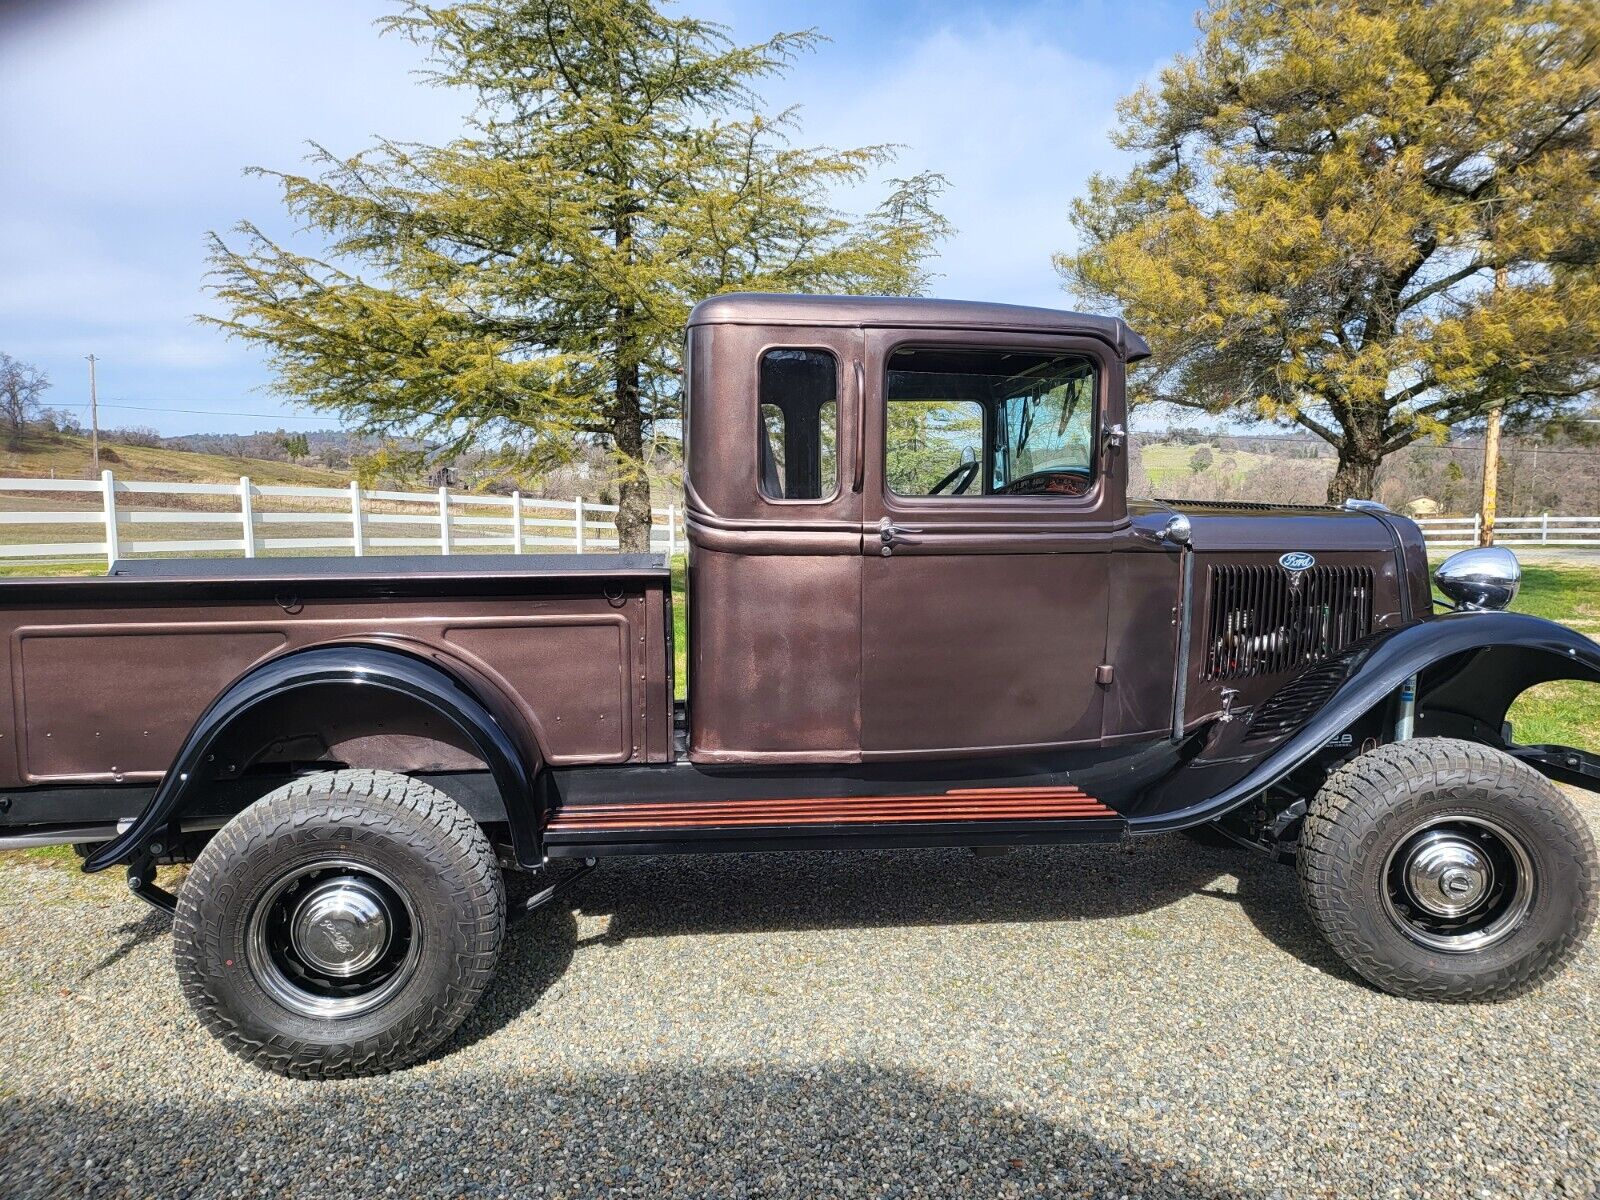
x: 106, y: 675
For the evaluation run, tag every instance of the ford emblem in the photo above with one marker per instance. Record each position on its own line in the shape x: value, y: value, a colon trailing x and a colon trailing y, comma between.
x: 1297, y: 561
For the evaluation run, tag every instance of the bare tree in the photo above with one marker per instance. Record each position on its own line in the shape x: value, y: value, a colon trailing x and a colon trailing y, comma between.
x: 21, y: 386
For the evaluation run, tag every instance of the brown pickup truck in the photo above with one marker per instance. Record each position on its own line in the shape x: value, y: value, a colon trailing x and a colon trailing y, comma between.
x: 924, y: 613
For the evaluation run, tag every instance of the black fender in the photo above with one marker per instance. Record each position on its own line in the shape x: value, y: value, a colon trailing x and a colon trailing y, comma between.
x: 514, y: 768
x: 1470, y: 666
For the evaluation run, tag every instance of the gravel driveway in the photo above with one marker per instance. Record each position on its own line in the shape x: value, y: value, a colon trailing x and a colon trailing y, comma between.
x: 1155, y: 1020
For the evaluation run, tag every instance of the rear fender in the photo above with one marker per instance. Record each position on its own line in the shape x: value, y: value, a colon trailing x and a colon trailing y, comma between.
x: 1470, y: 666
x: 483, y: 719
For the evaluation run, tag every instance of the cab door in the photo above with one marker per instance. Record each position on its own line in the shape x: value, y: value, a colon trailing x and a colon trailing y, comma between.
x: 992, y: 496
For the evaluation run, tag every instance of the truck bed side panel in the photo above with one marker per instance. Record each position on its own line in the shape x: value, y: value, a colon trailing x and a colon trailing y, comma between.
x: 107, y: 676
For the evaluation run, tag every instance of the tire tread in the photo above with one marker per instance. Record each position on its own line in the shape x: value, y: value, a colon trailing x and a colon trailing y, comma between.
x: 1344, y: 816
x: 364, y: 797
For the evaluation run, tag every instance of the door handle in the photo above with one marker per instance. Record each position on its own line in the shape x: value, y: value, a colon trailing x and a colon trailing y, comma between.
x: 859, y: 478
x: 892, y: 535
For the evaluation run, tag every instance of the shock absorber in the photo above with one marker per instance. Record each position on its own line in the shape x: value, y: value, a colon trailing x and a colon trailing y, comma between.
x: 1405, y: 722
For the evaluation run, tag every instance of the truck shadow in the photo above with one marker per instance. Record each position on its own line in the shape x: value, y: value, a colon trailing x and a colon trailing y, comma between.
x: 758, y: 1129
x: 149, y: 926
x: 719, y: 894
x: 796, y: 892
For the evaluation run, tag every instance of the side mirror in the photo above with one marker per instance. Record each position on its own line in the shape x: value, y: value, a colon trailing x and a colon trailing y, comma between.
x: 1485, y: 578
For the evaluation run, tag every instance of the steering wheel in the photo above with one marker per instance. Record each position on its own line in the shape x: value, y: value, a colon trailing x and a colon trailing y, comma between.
x: 1056, y: 481
x: 966, y: 472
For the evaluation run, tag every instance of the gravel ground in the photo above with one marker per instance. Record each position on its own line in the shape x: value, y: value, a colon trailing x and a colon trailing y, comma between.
x: 1156, y: 1020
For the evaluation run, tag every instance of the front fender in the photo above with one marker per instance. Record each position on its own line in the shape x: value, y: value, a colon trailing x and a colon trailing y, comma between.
x: 1470, y: 667
x: 358, y: 667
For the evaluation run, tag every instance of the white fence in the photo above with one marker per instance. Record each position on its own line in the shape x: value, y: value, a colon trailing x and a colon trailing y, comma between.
x: 254, y: 519
x: 1543, y: 530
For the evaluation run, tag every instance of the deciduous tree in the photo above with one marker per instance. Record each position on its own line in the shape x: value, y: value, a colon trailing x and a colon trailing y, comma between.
x: 21, y: 386
x: 526, y: 285
x: 1324, y: 194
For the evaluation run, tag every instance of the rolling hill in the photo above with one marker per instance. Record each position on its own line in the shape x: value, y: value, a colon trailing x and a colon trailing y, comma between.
x: 67, y: 456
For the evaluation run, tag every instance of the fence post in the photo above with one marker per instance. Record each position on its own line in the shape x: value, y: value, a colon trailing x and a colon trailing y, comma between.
x: 358, y: 526
x: 516, y: 522
x: 1544, y: 528
x: 444, y: 520
x: 577, y: 524
x: 247, y: 516
x: 672, y: 533
x: 108, y: 489
x: 1477, y: 528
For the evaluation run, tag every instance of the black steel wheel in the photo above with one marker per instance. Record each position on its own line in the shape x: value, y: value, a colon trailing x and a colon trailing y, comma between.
x: 1446, y: 870
x: 343, y: 925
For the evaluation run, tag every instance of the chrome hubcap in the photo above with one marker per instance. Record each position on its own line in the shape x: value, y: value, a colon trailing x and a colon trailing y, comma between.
x: 1448, y: 875
x: 341, y: 927
x: 333, y: 939
x: 1458, y: 884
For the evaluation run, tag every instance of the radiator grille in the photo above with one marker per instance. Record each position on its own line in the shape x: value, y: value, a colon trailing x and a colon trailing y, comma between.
x: 1264, y: 620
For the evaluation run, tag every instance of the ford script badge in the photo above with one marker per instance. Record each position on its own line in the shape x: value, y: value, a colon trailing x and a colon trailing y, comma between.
x: 1297, y: 561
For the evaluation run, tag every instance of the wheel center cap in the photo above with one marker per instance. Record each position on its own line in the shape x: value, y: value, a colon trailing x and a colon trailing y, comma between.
x: 341, y: 926
x: 1448, y: 875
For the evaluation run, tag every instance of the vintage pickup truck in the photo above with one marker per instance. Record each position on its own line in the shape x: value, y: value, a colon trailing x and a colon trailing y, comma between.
x: 924, y: 613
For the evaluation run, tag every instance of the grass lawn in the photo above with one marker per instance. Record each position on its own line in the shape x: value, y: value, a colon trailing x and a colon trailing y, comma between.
x: 1566, y: 712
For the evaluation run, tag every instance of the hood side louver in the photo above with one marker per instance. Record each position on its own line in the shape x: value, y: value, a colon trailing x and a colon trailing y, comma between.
x: 1264, y: 620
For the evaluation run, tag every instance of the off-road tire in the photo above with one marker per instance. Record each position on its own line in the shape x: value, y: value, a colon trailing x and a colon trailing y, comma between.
x: 1363, y: 812
x: 422, y: 840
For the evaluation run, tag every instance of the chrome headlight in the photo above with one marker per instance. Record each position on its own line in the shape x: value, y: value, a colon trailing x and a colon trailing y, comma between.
x: 1487, y: 577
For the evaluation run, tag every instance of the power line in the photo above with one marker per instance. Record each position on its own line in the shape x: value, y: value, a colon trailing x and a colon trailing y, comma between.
x: 200, y: 412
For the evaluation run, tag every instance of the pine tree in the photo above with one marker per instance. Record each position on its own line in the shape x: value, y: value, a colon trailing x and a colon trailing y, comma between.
x: 1377, y: 219
x: 525, y: 286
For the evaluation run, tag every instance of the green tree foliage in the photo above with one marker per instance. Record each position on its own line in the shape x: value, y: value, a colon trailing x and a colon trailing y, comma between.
x: 1374, y: 218
x: 526, y: 285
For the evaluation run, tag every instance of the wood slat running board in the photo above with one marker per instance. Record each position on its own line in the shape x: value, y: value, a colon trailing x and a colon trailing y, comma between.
x: 965, y: 805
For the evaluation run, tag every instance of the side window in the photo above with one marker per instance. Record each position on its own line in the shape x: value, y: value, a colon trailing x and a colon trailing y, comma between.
x: 798, y: 440
x: 989, y: 423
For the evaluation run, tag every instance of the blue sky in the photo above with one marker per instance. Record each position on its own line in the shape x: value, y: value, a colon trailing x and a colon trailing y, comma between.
x: 125, y: 126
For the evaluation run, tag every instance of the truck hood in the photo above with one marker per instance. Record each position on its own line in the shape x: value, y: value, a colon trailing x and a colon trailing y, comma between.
x: 1239, y: 525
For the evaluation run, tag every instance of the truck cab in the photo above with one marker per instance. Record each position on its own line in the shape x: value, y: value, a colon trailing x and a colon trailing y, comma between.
x: 923, y: 611
x: 911, y: 539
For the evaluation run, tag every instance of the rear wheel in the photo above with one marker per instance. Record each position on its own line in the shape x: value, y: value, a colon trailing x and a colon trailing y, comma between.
x: 1447, y: 870
x: 343, y: 925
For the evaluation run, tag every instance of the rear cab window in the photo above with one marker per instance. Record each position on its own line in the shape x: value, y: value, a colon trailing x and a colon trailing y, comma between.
x: 797, y: 449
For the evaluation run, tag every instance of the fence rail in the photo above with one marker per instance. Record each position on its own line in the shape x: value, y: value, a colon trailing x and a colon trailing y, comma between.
x: 1543, y: 530
x: 121, y: 518
x: 252, y: 519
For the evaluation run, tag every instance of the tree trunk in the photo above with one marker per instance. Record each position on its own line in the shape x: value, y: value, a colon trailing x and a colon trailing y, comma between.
x: 633, y: 494
x: 1360, y: 454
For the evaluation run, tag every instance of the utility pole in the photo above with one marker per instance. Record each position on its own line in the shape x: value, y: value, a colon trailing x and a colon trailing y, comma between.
x: 1491, y: 452
x: 94, y: 416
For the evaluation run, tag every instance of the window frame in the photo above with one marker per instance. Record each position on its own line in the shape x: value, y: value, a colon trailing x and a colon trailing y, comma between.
x: 1092, y: 495
x: 760, y: 419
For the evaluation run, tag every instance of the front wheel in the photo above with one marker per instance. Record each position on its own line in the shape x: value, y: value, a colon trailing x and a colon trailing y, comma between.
x: 1446, y: 870
x: 343, y: 925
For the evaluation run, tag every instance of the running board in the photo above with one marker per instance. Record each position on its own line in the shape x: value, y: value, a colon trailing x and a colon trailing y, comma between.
x: 1003, y: 816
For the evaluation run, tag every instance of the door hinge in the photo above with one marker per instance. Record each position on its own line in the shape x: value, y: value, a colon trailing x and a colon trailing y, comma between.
x: 1103, y: 674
